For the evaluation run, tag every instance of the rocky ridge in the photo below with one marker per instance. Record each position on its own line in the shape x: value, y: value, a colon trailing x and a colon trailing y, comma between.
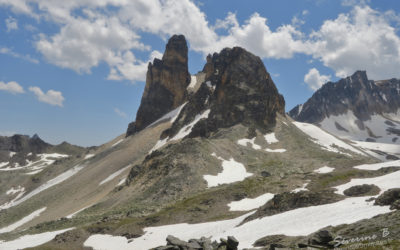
x: 356, y: 93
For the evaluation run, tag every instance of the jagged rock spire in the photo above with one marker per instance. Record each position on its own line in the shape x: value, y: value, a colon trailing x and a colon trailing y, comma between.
x: 166, y: 83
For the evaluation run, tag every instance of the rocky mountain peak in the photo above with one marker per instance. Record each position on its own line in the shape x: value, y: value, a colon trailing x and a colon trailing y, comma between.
x: 237, y: 89
x: 355, y: 93
x: 23, y: 143
x: 166, y: 83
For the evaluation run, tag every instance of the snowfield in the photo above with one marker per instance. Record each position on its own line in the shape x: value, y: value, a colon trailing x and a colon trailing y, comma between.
x: 348, y: 128
x: 297, y: 222
x: 22, y: 221
x: 325, y: 140
x: 233, y: 171
x: 384, y: 182
x: 32, y: 240
x: 378, y: 166
x: 324, y: 170
x: 248, y: 204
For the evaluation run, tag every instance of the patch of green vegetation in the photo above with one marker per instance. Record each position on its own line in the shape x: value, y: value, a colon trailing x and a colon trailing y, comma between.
x: 332, y: 179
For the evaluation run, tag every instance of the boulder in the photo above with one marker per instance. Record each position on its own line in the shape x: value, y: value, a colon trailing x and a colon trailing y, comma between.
x: 362, y: 190
x: 390, y: 197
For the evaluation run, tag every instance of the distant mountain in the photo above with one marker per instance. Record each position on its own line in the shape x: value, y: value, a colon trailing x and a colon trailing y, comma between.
x: 355, y: 108
x: 25, y: 154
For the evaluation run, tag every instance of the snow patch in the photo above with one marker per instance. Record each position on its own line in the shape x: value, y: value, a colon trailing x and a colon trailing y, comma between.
x: 325, y: 140
x: 12, y: 154
x: 271, y: 138
x: 32, y: 240
x: 384, y: 182
x: 44, y: 161
x: 21, y: 192
x: 15, y: 190
x: 351, y: 131
x: 244, y: 142
x: 34, y: 172
x: 378, y: 166
x: 60, y: 178
x: 3, y: 164
x: 88, y: 156
x: 184, y: 131
x: 171, y: 116
x: 324, y: 170
x: 77, y: 212
x: 193, y: 82
x: 121, y: 182
x: 233, y: 171
x: 118, y: 142
x: 112, y: 176
x: 279, y: 150
x: 248, y: 204
x: 22, y: 221
x: 302, y: 188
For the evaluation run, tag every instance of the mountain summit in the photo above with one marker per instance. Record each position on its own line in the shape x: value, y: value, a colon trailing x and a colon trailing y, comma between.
x: 355, y: 93
x: 236, y: 88
x: 355, y: 108
x: 166, y: 83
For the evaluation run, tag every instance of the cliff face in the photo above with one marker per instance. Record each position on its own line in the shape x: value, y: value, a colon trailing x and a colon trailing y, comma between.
x: 237, y: 89
x: 166, y: 83
x: 356, y: 93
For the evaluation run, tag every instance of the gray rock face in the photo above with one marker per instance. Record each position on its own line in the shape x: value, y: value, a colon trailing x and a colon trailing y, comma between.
x: 356, y: 93
x: 23, y: 143
x: 166, y: 83
x: 390, y: 197
x: 287, y: 201
x: 362, y: 190
x: 201, y: 244
x: 237, y: 89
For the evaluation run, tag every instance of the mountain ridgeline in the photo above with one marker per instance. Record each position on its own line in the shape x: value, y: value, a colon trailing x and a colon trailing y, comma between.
x: 355, y: 93
x: 233, y: 87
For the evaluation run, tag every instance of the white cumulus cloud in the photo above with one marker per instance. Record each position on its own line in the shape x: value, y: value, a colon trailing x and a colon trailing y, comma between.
x: 12, y: 87
x: 52, y: 97
x: 107, y: 31
x: 360, y: 40
x: 315, y: 80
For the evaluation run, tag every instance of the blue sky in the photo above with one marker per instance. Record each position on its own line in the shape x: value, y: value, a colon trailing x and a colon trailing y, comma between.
x: 74, y: 70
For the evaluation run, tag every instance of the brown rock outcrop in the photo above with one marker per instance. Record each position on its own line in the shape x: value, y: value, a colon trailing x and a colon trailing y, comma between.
x: 166, y: 83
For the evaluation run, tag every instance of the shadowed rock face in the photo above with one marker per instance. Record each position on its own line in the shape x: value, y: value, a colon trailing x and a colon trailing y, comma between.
x: 355, y: 93
x: 237, y: 89
x: 23, y: 143
x: 166, y: 83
